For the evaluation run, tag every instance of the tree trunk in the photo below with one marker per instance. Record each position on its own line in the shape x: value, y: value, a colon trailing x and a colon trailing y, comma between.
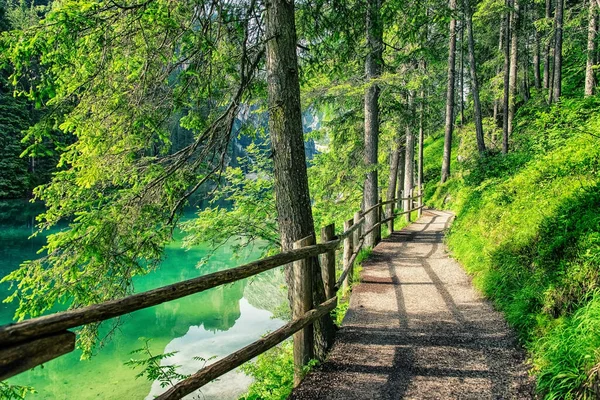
x: 461, y: 90
x: 447, y: 157
x: 474, y: 83
x: 590, y: 80
x: 537, y: 79
x: 401, y: 162
x: 548, y: 63
x: 498, y: 70
x: 506, y: 78
x: 393, y: 178
x: 409, y: 160
x: 373, y: 66
x: 421, y: 137
x: 558, y: 30
x: 514, y: 63
x: 294, y: 214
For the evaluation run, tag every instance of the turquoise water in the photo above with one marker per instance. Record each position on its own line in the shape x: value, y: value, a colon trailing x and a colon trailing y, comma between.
x: 212, y: 323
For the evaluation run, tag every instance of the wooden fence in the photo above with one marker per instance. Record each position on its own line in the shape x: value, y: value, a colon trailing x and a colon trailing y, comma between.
x: 29, y: 343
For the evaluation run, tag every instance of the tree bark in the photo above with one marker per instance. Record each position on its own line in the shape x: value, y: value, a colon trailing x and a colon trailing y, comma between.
x: 401, y: 162
x: 498, y: 70
x: 409, y: 160
x: 514, y: 63
x: 447, y: 157
x: 294, y: 214
x: 393, y: 178
x: 421, y: 136
x: 461, y: 90
x: 373, y: 66
x: 548, y: 53
x: 506, y: 78
x: 590, y: 81
x: 474, y: 83
x: 558, y: 30
x: 537, y: 78
x: 558, y: 38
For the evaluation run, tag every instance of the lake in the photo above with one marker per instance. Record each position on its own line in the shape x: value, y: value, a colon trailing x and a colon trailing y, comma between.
x: 209, y: 324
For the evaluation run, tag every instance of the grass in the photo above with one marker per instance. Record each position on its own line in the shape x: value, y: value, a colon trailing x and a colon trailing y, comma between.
x: 528, y: 231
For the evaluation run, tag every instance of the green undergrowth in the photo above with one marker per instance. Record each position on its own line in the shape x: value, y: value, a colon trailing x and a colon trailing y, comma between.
x: 528, y: 231
x: 273, y: 371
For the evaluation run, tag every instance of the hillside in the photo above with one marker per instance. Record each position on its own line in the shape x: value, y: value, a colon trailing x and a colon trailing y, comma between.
x: 528, y: 231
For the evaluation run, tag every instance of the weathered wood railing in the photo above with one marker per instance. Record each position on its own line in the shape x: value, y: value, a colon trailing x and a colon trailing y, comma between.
x: 29, y: 343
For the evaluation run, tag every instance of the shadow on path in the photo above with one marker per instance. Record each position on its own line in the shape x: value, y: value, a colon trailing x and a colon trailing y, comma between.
x: 416, y: 329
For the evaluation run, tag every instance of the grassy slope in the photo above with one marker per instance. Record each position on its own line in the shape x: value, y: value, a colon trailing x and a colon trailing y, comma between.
x: 528, y: 231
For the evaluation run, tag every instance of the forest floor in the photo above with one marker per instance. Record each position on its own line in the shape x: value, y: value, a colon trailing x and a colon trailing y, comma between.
x: 417, y: 329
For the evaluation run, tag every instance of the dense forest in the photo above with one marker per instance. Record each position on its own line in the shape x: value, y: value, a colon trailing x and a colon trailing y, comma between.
x: 271, y: 119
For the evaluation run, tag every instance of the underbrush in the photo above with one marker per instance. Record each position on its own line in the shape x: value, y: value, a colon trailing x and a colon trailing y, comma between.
x: 528, y: 231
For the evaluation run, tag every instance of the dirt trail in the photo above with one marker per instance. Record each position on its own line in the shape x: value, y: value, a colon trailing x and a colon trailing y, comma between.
x: 417, y: 329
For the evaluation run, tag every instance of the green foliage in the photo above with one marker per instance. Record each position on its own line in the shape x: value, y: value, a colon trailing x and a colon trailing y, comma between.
x: 14, y: 392
x: 273, y: 373
x: 152, y: 369
x: 528, y: 230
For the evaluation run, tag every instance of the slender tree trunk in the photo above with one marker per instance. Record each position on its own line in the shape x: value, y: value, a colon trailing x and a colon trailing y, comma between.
x: 558, y: 38
x: 409, y: 161
x: 514, y: 63
x: 449, y: 97
x: 537, y: 79
x: 498, y: 70
x: 590, y: 81
x: 461, y: 90
x: 294, y: 214
x: 401, y: 163
x: 548, y: 54
x: 393, y: 178
x: 505, y: 102
x: 421, y: 137
x: 474, y: 83
x: 373, y: 66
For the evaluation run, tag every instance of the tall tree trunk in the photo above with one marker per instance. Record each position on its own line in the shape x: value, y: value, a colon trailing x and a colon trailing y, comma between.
x: 401, y: 162
x: 294, y: 214
x: 590, y: 80
x: 548, y: 53
x: 474, y: 83
x: 506, y: 78
x: 514, y: 63
x: 498, y: 70
x: 558, y: 38
x: 373, y: 66
x: 447, y: 157
x: 409, y: 160
x: 421, y: 137
x: 393, y: 178
x: 537, y: 79
x: 461, y: 90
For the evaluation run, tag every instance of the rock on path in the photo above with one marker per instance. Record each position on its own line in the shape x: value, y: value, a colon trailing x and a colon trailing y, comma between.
x: 416, y: 329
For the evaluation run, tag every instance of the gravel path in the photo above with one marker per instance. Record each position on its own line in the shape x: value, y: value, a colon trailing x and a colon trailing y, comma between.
x: 416, y: 329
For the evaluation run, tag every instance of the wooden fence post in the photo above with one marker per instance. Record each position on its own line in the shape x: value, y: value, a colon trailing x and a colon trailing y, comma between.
x: 400, y: 202
x: 390, y: 213
x: 409, y: 206
x: 347, y: 255
x: 303, y: 339
x: 379, y: 213
x: 420, y: 202
x: 328, y: 262
x: 358, y: 231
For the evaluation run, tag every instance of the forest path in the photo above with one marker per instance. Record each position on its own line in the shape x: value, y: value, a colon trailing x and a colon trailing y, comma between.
x: 417, y: 329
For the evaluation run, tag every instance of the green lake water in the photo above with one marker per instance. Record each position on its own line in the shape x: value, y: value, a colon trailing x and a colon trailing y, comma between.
x: 212, y: 323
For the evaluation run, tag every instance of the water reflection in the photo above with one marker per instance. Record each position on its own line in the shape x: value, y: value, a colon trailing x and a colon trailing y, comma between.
x: 216, y: 322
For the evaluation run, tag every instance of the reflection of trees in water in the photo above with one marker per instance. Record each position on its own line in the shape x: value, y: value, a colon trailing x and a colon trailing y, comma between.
x: 266, y: 291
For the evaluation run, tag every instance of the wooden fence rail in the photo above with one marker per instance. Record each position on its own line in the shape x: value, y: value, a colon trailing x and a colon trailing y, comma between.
x: 23, y: 345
